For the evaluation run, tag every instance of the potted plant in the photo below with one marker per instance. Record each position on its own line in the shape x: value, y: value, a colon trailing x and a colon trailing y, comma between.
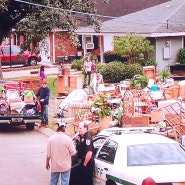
x: 102, y: 109
x: 101, y: 106
x: 165, y: 73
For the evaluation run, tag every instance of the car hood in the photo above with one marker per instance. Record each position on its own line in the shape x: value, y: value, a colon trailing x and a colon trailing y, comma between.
x: 160, y: 173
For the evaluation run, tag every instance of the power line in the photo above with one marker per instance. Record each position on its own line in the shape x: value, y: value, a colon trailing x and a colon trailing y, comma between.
x: 135, y: 21
x: 65, y: 10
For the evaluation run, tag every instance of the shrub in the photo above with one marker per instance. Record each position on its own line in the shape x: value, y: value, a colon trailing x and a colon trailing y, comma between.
x: 77, y: 64
x: 181, y: 56
x: 139, y: 82
x: 110, y: 57
x: 100, y: 67
x: 114, y: 72
x: 149, y: 62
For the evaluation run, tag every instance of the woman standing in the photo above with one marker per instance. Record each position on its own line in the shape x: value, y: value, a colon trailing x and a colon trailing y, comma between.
x: 87, y: 68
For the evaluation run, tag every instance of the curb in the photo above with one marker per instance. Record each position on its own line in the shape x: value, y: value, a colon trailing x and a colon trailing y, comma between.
x: 48, y: 131
x: 45, y: 131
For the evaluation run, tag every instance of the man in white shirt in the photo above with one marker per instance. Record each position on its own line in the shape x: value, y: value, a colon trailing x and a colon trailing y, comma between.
x: 60, y: 148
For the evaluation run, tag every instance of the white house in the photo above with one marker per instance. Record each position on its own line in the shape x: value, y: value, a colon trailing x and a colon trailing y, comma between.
x: 163, y: 24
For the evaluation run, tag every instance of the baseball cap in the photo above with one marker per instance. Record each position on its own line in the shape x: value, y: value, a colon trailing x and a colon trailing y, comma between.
x: 61, y: 124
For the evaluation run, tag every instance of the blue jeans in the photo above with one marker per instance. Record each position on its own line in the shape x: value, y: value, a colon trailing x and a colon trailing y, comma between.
x: 64, y: 177
x: 44, y: 114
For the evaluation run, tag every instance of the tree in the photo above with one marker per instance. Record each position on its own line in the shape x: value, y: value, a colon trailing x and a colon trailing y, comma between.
x: 132, y: 46
x: 36, y: 18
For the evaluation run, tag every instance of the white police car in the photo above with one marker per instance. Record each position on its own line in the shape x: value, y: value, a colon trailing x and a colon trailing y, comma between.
x: 134, y: 156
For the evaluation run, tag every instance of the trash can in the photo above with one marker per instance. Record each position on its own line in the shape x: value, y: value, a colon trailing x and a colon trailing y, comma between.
x: 61, y: 59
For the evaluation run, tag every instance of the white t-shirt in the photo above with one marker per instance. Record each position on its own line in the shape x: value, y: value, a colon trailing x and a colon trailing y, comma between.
x: 87, y: 66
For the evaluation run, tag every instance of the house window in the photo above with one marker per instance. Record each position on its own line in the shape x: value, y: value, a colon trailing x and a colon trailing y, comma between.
x: 89, y: 39
x: 89, y: 42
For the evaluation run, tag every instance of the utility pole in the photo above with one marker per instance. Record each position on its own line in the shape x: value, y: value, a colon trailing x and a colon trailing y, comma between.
x: 10, y: 51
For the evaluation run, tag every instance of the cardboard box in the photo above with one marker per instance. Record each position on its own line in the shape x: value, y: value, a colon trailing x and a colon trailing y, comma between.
x: 66, y: 71
x: 16, y: 105
x: 29, y: 96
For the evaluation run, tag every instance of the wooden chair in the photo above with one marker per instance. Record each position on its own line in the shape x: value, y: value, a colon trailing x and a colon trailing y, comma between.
x: 150, y: 72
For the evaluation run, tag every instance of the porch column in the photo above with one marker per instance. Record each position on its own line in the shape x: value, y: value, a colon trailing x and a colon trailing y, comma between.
x: 101, y: 49
x: 84, y: 44
x: 53, y: 48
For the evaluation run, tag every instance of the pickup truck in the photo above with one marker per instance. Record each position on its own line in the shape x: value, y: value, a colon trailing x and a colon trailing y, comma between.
x: 18, y: 105
x: 17, y: 56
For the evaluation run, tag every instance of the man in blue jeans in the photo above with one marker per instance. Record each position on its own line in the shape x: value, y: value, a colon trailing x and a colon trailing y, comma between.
x: 60, y: 148
x: 44, y: 95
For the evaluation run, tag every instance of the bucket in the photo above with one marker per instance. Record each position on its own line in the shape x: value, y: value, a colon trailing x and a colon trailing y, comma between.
x: 154, y: 88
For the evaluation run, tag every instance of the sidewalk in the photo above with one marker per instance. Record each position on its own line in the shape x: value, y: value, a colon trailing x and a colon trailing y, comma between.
x: 25, y: 71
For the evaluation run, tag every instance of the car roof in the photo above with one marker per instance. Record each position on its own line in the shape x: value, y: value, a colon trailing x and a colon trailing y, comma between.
x: 135, y: 135
x: 140, y: 138
x: 7, y: 46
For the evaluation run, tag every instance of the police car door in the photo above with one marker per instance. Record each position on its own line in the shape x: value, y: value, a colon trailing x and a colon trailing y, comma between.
x: 104, y: 161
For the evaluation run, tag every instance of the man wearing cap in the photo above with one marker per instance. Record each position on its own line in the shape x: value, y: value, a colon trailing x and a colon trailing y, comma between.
x: 60, y: 148
x: 44, y: 95
x: 85, y: 154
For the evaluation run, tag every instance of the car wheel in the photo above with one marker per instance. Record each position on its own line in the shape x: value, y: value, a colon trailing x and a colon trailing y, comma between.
x: 32, y: 61
x: 110, y: 182
x: 30, y: 126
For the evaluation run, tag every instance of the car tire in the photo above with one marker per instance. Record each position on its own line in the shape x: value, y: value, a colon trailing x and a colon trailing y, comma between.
x: 109, y: 182
x: 30, y: 126
x: 32, y: 61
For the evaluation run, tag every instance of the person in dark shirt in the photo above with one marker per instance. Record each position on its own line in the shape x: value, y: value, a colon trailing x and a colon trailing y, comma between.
x: 85, y: 155
x: 44, y: 95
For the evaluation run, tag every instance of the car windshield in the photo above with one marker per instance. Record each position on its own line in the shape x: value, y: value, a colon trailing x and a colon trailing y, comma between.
x: 155, y: 154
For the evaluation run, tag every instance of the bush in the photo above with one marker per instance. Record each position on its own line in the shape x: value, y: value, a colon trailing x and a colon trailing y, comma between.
x: 181, y: 56
x: 77, y: 64
x: 110, y: 57
x: 149, y: 62
x: 114, y: 72
x: 100, y: 67
x: 139, y: 82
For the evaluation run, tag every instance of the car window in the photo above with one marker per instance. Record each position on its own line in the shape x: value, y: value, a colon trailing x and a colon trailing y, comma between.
x: 108, y: 151
x: 15, y: 50
x: 98, y: 142
x: 6, y: 51
x: 155, y: 154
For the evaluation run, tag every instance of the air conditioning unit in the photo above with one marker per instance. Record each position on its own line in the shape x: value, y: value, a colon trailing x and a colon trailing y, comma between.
x: 90, y: 46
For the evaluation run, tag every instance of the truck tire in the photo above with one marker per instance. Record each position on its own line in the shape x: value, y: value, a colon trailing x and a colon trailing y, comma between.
x: 32, y: 61
x: 30, y: 126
